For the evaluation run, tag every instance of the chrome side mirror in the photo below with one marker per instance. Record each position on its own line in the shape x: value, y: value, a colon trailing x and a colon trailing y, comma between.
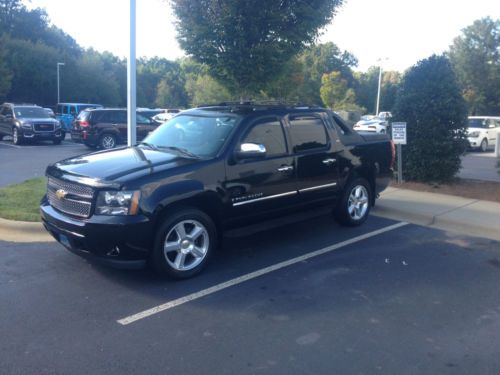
x: 251, y: 151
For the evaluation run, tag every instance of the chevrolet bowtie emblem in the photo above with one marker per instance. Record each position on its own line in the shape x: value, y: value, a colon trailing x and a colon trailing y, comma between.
x: 60, y: 194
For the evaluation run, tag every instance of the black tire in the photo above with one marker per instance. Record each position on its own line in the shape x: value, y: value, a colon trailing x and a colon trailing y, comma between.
x: 16, y: 138
x: 344, y: 213
x: 107, y: 141
x: 57, y: 141
x: 484, y: 145
x: 164, y: 261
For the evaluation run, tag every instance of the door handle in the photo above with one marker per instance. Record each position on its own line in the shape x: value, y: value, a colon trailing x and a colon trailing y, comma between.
x: 329, y: 161
x: 285, y: 168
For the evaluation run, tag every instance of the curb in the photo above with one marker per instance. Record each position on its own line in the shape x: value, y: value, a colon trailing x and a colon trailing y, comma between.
x: 23, y: 231
x: 439, y: 221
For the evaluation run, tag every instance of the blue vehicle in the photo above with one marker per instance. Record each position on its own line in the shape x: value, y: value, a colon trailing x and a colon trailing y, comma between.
x: 67, y: 112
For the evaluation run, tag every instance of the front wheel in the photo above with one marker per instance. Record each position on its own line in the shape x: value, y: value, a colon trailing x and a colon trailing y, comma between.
x: 484, y: 145
x: 184, y: 244
x: 354, y: 205
x: 16, y: 138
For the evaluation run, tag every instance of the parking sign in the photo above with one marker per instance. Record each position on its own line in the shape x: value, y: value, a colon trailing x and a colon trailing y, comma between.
x: 399, y: 133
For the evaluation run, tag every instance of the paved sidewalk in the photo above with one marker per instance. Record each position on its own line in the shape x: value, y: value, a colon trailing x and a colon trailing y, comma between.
x: 448, y: 212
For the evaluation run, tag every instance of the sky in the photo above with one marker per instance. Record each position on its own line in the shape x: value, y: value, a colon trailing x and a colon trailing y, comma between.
x: 398, y: 33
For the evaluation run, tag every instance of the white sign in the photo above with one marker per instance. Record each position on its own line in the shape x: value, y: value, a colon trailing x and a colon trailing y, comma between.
x: 399, y: 133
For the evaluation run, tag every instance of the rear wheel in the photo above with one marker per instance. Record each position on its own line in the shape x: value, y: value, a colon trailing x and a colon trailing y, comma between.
x: 107, y: 141
x: 184, y: 244
x: 354, y: 205
x: 484, y: 145
x: 16, y: 138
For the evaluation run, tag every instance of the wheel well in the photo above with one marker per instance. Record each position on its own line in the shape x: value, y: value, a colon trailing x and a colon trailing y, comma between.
x: 205, y: 203
x: 369, y: 175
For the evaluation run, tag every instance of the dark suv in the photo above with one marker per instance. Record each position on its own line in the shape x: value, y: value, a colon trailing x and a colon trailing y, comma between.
x: 28, y: 122
x: 106, y: 128
x: 169, y: 198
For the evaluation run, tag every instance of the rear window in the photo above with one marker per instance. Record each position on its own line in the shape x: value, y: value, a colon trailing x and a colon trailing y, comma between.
x: 83, y: 115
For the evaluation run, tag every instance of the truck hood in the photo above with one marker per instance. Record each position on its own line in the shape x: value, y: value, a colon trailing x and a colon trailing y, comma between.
x: 109, y: 166
x: 38, y: 120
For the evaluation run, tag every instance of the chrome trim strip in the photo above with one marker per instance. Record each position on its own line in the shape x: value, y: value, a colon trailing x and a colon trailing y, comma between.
x: 318, y: 187
x: 264, y: 198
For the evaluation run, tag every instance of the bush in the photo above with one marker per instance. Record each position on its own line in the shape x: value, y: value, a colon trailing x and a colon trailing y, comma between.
x: 430, y: 102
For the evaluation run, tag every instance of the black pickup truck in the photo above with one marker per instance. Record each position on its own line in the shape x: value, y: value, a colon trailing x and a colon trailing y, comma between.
x: 167, y: 200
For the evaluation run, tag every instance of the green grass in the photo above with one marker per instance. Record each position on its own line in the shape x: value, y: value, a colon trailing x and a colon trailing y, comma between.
x: 21, y: 201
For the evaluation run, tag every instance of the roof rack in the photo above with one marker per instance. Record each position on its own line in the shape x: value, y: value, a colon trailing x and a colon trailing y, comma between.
x: 258, y: 105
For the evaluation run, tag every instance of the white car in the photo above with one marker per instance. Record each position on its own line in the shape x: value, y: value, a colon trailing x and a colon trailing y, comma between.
x: 167, y: 115
x: 372, y: 124
x: 482, y: 132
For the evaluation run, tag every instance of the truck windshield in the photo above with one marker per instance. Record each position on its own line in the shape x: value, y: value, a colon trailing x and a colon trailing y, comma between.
x: 30, y: 112
x: 199, y: 135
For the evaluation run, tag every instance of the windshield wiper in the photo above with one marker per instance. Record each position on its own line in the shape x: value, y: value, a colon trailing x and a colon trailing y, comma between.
x: 149, y: 145
x: 181, y: 151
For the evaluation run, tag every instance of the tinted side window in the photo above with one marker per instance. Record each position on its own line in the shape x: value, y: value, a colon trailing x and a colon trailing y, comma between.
x: 308, y: 133
x: 269, y: 133
x: 104, y: 116
x: 120, y: 117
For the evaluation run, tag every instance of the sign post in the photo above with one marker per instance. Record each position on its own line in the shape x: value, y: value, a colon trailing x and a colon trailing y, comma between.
x: 399, y: 138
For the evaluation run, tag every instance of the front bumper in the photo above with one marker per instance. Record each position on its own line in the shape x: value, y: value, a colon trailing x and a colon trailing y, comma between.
x: 118, y: 241
x: 474, y: 142
x: 40, y: 136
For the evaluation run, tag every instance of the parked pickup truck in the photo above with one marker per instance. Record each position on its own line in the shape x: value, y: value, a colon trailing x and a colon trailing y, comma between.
x: 168, y: 200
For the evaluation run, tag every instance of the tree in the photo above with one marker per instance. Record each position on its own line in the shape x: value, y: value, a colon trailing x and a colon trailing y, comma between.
x: 475, y: 56
x: 244, y: 43
x: 336, y: 94
x: 366, y: 87
x: 206, y: 90
x: 318, y: 60
x: 430, y: 102
x: 5, y: 73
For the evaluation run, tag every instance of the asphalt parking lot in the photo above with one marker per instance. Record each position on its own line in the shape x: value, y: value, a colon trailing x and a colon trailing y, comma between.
x: 20, y: 163
x: 382, y: 298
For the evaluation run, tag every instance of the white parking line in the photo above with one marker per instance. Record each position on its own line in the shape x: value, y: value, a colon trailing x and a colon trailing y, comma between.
x: 241, y: 279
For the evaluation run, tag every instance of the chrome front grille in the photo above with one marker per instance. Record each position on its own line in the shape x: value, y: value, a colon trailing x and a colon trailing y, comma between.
x: 44, y: 127
x: 73, y: 199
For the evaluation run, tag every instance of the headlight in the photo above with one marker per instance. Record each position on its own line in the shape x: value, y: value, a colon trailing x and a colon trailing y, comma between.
x: 473, y: 134
x: 58, y: 125
x: 118, y: 202
x: 27, y: 125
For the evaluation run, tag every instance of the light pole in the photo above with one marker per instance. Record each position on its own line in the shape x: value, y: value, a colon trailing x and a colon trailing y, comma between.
x: 379, y: 83
x: 131, y: 81
x: 58, y: 92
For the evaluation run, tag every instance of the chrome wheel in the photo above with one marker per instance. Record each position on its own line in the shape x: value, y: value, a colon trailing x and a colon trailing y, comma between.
x: 15, y: 136
x: 108, y: 141
x: 186, y: 245
x: 484, y: 145
x: 358, y: 202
